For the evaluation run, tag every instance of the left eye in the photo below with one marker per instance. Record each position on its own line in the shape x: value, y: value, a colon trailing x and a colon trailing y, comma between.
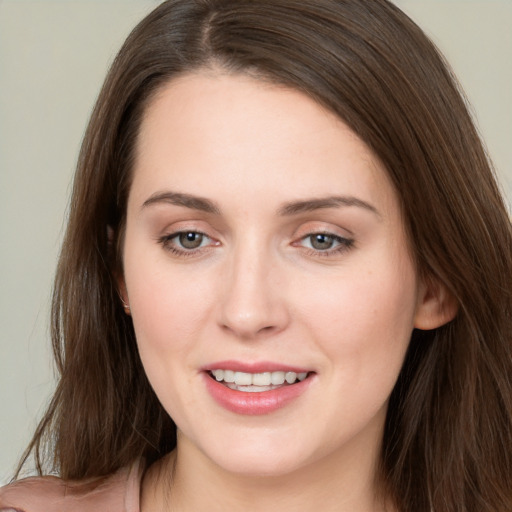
x: 323, y: 241
x: 189, y: 240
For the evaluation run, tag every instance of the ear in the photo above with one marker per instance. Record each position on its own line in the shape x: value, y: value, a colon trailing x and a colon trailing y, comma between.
x: 123, y: 293
x: 436, y: 305
x: 118, y: 275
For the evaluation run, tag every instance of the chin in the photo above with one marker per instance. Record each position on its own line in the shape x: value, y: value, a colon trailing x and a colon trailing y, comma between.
x: 260, y: 466
x: 271, y: 459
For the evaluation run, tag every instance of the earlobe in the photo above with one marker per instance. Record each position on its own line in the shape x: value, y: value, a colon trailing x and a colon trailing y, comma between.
x: 123, y: 294
x: 118, y: 275
x: 436, y: 305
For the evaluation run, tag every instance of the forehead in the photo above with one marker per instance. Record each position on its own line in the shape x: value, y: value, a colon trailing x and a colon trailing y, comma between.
x: 205, y: 131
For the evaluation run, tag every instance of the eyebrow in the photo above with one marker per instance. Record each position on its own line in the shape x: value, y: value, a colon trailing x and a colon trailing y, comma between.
x: 288, y: 209
x: 186, y: 200
x: 309, y: 205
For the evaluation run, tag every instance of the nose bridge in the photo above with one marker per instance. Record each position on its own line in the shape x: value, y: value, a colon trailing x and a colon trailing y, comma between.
x: 252, y: 301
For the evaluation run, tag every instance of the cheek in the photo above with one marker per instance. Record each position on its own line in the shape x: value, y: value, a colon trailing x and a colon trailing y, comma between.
x: 167, y: 317
x: 169, y: 305
x: 364, y: 320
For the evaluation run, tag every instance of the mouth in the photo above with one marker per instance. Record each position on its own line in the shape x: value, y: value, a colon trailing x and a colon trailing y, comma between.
x: 256, y: 388
x: 257, y: 382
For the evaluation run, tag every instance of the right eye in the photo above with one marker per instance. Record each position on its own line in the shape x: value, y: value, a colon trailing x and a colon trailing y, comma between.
x: 190, y: 239
x: 185, y: 242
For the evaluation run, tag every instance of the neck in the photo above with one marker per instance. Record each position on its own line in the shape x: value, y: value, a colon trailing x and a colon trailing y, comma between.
x: 188, y: 481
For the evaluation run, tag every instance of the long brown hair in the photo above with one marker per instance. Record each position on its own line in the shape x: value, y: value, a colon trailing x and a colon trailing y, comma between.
x: 448, y: 437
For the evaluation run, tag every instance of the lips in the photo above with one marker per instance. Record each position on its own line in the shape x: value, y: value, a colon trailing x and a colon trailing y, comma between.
x: 254, y: 389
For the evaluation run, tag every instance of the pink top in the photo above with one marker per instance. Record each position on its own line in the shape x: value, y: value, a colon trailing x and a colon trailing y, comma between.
x: 119, y: 492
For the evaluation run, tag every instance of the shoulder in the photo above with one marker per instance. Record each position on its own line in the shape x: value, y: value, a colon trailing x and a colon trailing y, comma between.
x: 116, y: 493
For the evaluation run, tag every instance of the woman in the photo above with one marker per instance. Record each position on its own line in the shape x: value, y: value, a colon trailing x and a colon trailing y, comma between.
x: 286, y: 278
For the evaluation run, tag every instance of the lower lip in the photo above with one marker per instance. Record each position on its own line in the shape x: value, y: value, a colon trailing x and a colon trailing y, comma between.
x: 254, y: 404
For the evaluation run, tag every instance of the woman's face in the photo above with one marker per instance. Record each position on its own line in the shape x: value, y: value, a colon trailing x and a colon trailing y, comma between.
x: 264, y: 244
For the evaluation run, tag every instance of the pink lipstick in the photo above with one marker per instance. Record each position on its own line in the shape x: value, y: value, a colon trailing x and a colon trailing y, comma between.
x: 255, y: 388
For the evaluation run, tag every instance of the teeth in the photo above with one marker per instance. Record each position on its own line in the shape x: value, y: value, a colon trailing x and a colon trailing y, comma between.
x: 250, y: 389
x: 277, y: 378
x: 257, y: 379
x: 262, y: 379
x: 243, y: 379
x: 229, y: 375
x: 290, y: 377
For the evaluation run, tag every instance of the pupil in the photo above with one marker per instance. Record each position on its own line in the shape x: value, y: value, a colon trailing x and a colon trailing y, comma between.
x: 191, y: 240
x: 321, y: 241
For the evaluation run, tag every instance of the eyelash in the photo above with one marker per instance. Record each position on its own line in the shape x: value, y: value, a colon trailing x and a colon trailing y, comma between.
x: 344, y: 244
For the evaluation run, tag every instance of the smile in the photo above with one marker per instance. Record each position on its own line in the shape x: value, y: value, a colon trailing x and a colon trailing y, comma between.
x: 258, y: 391
x: 256, y: 382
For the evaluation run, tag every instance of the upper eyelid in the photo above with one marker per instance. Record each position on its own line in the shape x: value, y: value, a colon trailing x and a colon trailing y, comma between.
x: 170, y: 233
x: 175, y: 234
x: 325, y: 228
x: 187, y: 226
x: 323, y: 232
x: 305, y: 227
x: 340, y: 239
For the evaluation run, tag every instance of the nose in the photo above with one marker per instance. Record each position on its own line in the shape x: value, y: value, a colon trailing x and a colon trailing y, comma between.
x: 252, y: 303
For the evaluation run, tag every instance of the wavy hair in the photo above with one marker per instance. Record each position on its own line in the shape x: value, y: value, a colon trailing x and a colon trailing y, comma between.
x: 448, y: 435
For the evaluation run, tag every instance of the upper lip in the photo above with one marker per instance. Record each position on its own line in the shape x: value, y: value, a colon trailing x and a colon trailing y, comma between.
x: 254, y: 367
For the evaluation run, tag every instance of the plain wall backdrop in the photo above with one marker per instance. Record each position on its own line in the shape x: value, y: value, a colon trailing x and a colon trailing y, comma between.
x: 53, y: 58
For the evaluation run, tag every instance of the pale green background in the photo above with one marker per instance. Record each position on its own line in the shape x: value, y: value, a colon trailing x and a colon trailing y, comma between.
x: 53, y: 57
